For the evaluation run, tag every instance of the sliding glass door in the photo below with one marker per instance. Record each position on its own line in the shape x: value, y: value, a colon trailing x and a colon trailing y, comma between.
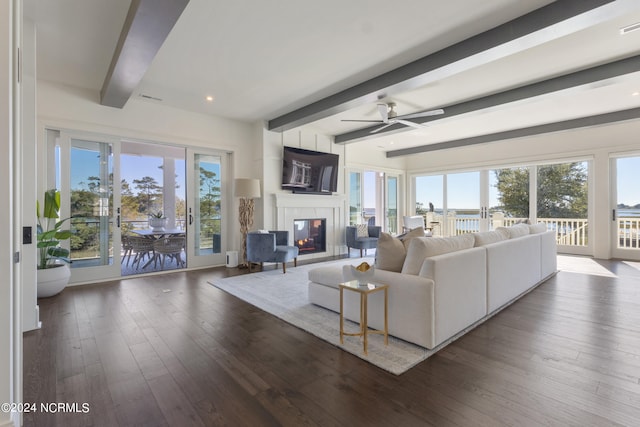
x: 88, y: 170
x: 625, y: 212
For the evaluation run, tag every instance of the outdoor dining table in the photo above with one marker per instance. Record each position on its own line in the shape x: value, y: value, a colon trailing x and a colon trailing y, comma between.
x: 156, y: 235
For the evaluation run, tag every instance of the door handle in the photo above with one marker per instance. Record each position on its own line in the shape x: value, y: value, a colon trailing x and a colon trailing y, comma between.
x: 613, y: 214
x: 190, y: 219
x: 118, y: 219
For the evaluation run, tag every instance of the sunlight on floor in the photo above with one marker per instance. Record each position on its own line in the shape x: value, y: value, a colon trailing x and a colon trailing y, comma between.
x: 584, y: 265
x: 633, y: 264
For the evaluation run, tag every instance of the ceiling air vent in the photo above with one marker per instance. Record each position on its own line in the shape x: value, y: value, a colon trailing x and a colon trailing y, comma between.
x: 145, y: 96
x: 630, y: 28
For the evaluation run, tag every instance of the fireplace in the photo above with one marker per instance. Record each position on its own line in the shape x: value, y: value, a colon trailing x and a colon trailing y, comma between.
x: 309, y: 235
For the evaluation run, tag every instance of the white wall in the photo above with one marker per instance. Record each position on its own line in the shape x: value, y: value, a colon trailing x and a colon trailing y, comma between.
x: 272, y: 144
x: 10, y: 342
x: 597, y: 143
x: 27, y: 195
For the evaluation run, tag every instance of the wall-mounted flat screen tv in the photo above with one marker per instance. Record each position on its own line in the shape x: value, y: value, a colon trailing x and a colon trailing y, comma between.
x: 307, y: 171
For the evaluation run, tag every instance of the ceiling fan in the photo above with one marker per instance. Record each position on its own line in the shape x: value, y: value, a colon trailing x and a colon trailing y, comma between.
x: 390, y: 117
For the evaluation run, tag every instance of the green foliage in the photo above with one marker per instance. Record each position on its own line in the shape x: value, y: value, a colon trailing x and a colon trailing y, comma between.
x: 562, y: 191
x: 49, y: 232
x: 513, y: 187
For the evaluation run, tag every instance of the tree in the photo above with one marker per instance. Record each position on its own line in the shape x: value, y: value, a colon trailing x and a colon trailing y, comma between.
x: 562, y: 191
x: 149, y: 194
x: 513, y: 187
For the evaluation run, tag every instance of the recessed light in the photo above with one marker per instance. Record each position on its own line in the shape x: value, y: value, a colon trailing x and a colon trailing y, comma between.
x: 635, y: 94
x: 630, y: 28
x: 209, y: 98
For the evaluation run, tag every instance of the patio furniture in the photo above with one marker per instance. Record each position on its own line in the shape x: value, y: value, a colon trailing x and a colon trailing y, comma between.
x: 169, y: 247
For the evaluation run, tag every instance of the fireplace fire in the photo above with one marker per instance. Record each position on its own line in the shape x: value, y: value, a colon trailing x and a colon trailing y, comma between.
x: 309, y: 235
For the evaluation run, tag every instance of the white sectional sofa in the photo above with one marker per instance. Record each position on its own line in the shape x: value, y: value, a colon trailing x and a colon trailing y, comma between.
x: 443, y: 286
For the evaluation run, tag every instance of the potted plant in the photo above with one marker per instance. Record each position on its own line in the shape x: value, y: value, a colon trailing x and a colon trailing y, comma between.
x: 53, y: 270
x: 157, y: 221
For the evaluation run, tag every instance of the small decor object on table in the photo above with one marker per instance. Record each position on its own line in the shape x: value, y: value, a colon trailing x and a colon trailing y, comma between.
x: 362, y: 273
x: 157, y: 221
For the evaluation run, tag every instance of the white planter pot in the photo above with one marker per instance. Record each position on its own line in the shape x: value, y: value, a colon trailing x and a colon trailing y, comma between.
x: 157, y: 224
x: 51, y: 281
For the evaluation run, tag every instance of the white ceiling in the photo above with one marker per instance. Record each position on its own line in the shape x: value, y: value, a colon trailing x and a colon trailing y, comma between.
x: 260, y: 59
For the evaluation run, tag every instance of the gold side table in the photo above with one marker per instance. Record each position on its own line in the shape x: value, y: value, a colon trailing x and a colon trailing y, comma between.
x: 364, y: 291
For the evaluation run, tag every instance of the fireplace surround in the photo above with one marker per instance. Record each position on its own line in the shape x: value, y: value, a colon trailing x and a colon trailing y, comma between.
x: 290, y: 207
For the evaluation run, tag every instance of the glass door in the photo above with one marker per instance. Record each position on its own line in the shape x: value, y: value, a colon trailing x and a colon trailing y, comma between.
x: 355, y: 198
x: 463, y: 213
x: 391, y: 204
x: 206, y: 207
x: 625, y: 214
x: 88, y: 171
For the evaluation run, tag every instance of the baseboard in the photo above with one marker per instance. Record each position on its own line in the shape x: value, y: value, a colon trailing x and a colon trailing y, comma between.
x: 13, y: 422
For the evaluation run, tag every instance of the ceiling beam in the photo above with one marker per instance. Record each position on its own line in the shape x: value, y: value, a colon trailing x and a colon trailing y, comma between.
x: 567, y: 81
x: 599, y: 119
x: 145, y: 29
x: 470, y: 53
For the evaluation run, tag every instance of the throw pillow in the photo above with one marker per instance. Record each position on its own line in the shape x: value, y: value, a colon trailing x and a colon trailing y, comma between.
x: 486, y: 237
x: 363, y: 230
x: 390, y: 253
x: 540, y: 227
x: 518, y: 230
x: 406, y: 238
x: 425, y: 247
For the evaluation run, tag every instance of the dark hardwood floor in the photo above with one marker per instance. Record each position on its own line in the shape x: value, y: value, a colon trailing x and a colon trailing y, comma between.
x: 172, y: 350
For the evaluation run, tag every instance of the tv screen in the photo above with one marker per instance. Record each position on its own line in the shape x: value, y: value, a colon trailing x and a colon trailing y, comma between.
x: 307, y: 171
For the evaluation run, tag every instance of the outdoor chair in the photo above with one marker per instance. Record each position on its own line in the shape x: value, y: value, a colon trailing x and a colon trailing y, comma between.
x: 169, y: 247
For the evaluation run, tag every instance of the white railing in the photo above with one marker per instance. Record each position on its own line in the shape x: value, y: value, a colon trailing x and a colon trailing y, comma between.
x: 628, y: 232
x: 569, y: 231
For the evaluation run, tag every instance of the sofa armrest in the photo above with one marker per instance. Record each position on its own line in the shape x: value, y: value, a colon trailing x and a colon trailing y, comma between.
x: 548, y: 254
x: 460, y: 293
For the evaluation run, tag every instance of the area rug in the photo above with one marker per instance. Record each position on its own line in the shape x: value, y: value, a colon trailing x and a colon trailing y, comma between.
x: 285, y: 296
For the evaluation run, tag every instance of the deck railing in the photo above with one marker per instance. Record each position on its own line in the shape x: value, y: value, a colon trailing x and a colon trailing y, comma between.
x: 569, y: 231
x: 628, y: 232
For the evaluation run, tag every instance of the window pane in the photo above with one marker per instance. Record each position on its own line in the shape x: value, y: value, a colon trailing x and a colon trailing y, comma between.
x: 562, y: 201
x: 508, y: 196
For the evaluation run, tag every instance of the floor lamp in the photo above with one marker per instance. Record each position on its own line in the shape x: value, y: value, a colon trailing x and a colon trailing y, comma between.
x: 246, y: 189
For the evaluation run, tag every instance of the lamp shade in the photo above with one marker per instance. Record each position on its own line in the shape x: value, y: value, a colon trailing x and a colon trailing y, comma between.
x: 247, y: 187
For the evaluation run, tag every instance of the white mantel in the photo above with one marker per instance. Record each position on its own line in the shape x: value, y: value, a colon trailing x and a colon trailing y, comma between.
x: 290, y: 207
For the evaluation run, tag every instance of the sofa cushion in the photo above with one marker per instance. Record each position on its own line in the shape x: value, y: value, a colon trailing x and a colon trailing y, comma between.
x: 362, y: 230
x: 391, y: 251
x: 425, y: 247
x: 538, y: 228
x: 486, y: 237
x: 517, y: 230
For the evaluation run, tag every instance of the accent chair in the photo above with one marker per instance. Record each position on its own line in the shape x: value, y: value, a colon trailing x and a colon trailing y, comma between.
x: 360, y: 240
x: 271, y: 247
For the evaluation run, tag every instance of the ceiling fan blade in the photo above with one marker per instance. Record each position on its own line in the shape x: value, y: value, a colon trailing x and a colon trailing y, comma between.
x: 364, y: 121
x: 384, y: 112
x: 422, y: 114
x: 412, y: 124
x: 382, y: 127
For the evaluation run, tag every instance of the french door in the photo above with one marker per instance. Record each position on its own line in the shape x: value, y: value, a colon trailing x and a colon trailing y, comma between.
x: 625, y: 212
x: 207, y: 207
x: 88, y: 169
